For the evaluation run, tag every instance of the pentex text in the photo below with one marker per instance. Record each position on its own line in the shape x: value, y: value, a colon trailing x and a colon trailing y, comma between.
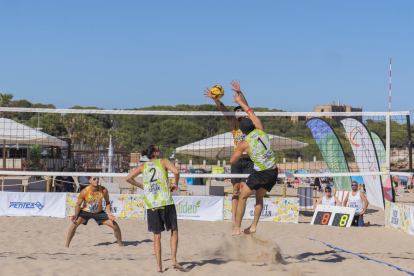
x: 26, y: 205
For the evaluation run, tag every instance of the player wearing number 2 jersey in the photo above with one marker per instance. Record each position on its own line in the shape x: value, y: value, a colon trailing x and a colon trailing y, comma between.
x: 264, y: 177
x: 161, y: 213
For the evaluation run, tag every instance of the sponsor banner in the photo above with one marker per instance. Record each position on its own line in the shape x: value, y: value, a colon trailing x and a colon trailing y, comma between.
x: 411, y: 221
x: 366, y: 158
x: 274, y: 209
x: 382, y: 161
x: 32, y: 204
x: 331, y: 151
x: 199, y: 207
x: 122, y: 206
x: 397, y: 216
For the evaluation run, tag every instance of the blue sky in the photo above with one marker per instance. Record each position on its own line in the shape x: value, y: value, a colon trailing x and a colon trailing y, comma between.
x: 289, y: 55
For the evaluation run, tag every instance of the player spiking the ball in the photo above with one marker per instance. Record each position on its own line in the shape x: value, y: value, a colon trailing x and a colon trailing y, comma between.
x: 257, y: 145
x: 244, y: 164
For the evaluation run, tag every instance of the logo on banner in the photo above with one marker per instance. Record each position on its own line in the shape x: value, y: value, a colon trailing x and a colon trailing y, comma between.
x: 352, y: 137
x: 113, y: 208
x: 395, y: 216
x: 187, y: 208
x: 26, y: 205
x: 265, y: 212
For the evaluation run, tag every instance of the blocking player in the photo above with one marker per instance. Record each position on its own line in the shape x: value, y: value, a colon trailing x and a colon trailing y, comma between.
x: 91, y: 199
x: 244, y: 164
x: 264, y: 176
x: 161, y: 213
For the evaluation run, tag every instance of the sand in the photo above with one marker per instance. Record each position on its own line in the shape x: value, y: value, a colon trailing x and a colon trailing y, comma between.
x: 36, y: 246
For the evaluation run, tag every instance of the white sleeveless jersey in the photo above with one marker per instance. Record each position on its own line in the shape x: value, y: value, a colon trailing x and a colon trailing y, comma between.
x: 356, y: 202
x: 330, y: 202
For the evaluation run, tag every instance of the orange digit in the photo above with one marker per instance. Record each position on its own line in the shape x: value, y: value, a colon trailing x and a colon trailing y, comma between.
x: 325, y: 218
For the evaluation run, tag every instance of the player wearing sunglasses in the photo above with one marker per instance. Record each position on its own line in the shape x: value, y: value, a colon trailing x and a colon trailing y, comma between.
x: 90, y: 206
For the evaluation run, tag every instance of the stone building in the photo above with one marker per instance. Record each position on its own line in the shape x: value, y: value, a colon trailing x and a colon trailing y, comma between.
x: 331, y: 108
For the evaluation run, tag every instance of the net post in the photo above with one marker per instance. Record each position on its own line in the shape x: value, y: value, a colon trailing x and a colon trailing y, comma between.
x: 132, y: 189
x: 410, y: 145
x: 48, y: 184
x: 388, y: 143
x: 2, y: 184
x: 284, y: 189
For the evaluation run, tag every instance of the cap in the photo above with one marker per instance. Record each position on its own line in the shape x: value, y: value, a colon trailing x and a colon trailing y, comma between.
x: 246, y: 126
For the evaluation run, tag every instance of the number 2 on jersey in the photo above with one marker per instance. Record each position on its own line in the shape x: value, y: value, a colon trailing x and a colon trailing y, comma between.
x: 262, y: 143
x: 153, y: 174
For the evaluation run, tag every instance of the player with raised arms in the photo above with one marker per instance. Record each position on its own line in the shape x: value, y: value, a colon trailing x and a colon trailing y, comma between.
x: 91, y: 198
x: 161, y: 212
x: 264, y: 177
x: 244, y: 164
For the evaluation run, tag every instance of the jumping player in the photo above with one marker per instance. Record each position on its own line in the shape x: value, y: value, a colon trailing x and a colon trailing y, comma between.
x: 161, y: 213
x: 244, y: 164
x: 92, y: 197
x: 264, y: 176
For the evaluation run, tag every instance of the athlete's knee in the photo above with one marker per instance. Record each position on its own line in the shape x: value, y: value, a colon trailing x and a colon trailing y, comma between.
x: 157, y: 236
x: 236, y: 190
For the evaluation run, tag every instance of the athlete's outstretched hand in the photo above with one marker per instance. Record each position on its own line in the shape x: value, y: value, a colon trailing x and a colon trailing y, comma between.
x: 237, y: 99
x: 236, y: 85
x: 207, y: 93
x: 173, y: 188
x: 74, y: 218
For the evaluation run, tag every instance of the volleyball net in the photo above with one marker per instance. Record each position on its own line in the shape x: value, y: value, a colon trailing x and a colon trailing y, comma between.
x: 40, y: 142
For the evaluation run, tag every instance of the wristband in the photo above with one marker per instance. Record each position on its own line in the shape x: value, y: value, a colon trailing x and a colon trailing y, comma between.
x: 247, y: 111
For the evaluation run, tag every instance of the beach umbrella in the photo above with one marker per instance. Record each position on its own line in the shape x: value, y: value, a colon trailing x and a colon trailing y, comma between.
x: 222, y: 145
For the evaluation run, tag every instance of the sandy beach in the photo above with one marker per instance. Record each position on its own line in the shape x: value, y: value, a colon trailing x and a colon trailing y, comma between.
x: 36, y: 246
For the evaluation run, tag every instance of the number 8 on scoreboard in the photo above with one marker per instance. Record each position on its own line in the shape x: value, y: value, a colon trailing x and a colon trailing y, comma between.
x: 333, y: 215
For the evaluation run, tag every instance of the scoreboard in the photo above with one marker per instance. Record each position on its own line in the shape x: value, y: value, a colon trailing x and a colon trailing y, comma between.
x: 333, y: 216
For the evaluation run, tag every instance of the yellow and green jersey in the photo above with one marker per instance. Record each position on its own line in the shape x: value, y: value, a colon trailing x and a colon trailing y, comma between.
x: 260, y: 151
x: 156, y: 189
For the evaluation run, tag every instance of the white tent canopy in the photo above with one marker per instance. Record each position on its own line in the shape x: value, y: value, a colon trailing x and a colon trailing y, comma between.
x: 222, y: 145
x: 13, y: 132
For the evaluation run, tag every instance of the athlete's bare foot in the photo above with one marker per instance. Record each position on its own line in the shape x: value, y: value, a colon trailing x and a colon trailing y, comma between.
x: 176, y: 265
x: 121, y: 245
x: 236, y: 231
x: 249, y: 231
x: 159, y: 268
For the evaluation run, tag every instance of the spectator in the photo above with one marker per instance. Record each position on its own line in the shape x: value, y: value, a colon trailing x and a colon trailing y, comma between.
x: 358, y: 201
x: 328, y: 199
x: 395, y: 183
x: 82, y: 180
x: 317, y: 183
x: 331, y: 183
x: 65, y: 184
x: 296, y: 183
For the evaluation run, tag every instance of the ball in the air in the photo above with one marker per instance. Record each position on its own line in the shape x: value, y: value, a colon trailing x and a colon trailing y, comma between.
x: 217, y: 92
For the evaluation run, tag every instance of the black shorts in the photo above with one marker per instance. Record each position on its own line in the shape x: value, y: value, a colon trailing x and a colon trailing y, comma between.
x: 162, y: 218
x: 98, y: 217
x: 262, y: 179
x: 243, y: 165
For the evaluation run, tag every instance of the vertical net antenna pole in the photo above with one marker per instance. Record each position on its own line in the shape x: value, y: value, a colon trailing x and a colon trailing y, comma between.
x: 410, y: 145
x: 389, y: 100
x: 388, y: 143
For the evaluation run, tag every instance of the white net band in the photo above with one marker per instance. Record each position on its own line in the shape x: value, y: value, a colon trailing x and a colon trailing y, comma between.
x: 195, y: 113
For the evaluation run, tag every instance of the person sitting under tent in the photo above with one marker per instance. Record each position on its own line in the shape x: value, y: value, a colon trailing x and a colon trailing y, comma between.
x: 328, y: 199
x: 359, y: 201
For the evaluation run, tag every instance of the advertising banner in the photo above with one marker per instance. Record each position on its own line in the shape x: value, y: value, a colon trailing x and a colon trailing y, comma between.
x: 331, y: 151
x: 411, y: 221
x: 397, y: 216
x: 199, y: 207
x: 122, y: 205
x: 382, y: 161
x: 274, y: 209
x: 32, y: 204
x: 366, y: 158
